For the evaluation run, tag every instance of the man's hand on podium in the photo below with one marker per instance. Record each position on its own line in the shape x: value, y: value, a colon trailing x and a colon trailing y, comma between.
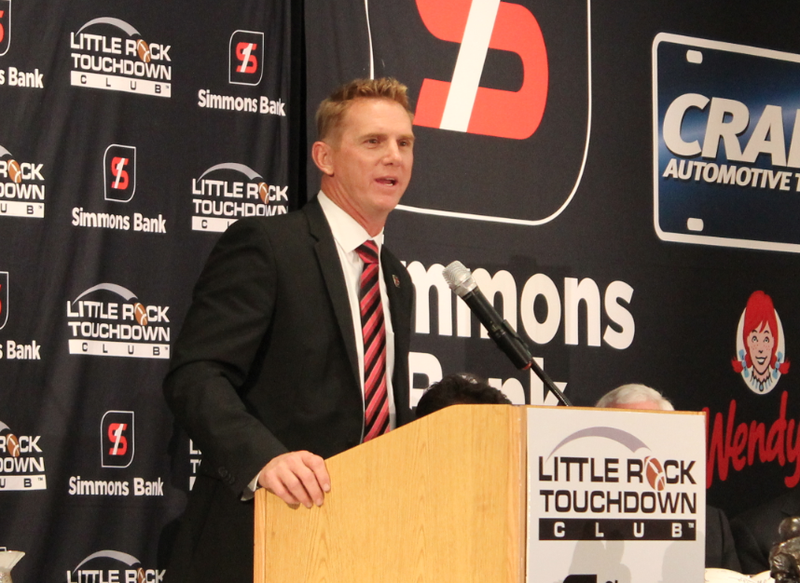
x: 297, y: 477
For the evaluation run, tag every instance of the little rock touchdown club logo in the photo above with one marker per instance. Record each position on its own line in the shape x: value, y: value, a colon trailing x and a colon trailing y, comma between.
x: 22, y: 187
x: 109, y: 320
x: 109, y: 566
x: 227, y: 192
x: 21, y: 461
x: 108, y: 53
x: 588, y: 497
x: 760, y: 345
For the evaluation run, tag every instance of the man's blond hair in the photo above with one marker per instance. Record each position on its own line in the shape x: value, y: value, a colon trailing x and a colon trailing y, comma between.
x: 332, y: 110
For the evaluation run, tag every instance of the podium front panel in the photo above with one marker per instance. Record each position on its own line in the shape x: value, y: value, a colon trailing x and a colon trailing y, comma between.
x: 615, y: 496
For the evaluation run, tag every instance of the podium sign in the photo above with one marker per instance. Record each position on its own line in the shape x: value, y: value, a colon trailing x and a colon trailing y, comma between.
x: 615, y: 496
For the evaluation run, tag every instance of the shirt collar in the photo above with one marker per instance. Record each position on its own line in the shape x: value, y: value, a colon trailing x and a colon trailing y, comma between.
x: 346, y: 230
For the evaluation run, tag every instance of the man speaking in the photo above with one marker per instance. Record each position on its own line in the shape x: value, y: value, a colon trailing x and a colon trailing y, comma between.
x: 295, y: 347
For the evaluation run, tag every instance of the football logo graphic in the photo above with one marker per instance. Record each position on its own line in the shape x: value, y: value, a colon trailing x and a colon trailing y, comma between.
x: 655, y: 473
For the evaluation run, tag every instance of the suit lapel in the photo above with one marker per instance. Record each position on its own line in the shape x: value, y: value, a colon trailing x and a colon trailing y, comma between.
x: 400, y: 323
x: 331, y: 269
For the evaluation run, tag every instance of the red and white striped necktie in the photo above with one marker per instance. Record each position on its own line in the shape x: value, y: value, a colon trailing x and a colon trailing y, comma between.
x: 376, y: 404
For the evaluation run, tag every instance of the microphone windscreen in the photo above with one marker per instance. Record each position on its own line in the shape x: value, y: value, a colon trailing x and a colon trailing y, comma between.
x: 459, y: 278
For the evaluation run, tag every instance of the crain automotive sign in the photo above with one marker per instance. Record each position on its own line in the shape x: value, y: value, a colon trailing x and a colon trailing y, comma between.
x: 21, y: 461
x: 103, y: 60
x: 109, y: 320
x: 22, y: 187
x: 726, y: 126
x: 605, y: 484
x: 227, y: 192
x: 504, y: 102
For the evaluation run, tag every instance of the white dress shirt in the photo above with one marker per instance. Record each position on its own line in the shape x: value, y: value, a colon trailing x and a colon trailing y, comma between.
x: 349, y: 235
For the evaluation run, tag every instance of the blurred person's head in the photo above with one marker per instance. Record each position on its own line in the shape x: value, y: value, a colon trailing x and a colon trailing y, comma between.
x: 459, y: 389
x: 635, y: 396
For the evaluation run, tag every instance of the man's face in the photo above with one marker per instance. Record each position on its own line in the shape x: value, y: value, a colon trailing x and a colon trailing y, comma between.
x: 759, y: 345
x: 370, y: 159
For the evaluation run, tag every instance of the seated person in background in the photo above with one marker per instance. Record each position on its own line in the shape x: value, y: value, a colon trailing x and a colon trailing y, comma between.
x: 635, y: 396
x: 755, y: 531
x: 720, y: 549
x: 459, y: 389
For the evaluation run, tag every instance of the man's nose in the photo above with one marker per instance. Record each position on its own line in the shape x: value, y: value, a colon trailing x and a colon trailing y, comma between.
x: 392, y: 154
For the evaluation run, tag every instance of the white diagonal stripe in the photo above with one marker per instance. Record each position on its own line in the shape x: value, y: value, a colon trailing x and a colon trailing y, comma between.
x: 469, y: 65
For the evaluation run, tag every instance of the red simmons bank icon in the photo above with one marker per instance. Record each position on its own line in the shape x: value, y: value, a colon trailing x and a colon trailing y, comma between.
x: 119, y: 172
x: 505, y: 88
x: 246, y: 57
x: 760, y: 345
x: 461, y: 104
x: 109, y: 320
x: 5, y: 26
x: 117, y: 439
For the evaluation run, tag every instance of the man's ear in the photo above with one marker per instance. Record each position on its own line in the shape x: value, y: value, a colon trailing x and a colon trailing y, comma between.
x: 321, y: 154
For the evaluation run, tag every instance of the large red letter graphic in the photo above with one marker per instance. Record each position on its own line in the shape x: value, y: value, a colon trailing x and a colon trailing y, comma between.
x: 461, y: 105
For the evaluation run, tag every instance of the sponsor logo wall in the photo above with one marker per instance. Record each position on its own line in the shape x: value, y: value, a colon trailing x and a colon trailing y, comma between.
x: 622, y: 181
x: 102, y: 138
x: 620, y: 178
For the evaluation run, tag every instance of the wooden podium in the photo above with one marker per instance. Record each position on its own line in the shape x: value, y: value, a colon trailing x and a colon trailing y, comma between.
x: 441, y: 499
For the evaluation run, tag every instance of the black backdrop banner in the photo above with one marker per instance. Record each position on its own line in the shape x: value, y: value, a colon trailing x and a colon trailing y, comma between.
x: 131, y: 135
x: 619, y: 176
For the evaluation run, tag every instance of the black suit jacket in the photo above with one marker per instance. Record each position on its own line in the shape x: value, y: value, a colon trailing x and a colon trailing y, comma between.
x: 720, y: 549
x: 755, y: 531
x: 266, y: 363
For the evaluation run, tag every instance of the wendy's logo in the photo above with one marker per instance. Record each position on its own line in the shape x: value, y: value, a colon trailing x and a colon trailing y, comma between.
x: 760, y: 345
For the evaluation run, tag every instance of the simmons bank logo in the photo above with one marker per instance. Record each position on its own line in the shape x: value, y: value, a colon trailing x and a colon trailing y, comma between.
x: 119, y: 185
x: 22, y: 187
x: 21, y: 461
x: 119, y: 173
x: 117, y: 445
x: 504, y: 83
x: 108, y: 53
x: 229, y: 191
x: 109, y: 320
x: 12, y: 76
x: 630, y: 496
x: 245, y: 67
x: 246, y: 58
x: 727, y: 146
x: 760, y: 345
x: 116, y: 437
x: 108, y: 565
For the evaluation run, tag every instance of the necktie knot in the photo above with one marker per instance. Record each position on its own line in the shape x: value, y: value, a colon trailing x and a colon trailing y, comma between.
x: 368, y: 251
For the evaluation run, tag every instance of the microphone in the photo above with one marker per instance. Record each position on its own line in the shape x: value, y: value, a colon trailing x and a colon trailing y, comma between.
x: 459, y: 278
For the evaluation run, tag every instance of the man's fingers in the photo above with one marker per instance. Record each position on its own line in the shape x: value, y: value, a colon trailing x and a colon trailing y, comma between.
x: 317, y: 465
x: 297, y: 477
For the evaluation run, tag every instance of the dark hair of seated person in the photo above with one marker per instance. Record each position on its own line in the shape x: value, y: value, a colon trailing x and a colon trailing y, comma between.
x: 458, y: 389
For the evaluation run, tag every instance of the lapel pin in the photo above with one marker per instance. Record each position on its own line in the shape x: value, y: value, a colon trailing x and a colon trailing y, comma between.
x: 396, y: 281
